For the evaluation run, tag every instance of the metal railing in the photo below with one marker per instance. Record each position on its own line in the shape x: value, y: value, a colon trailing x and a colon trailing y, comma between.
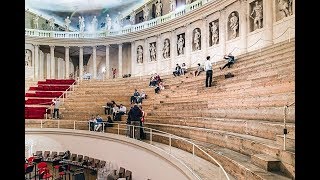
x: 154, y: 137
x: 285, y: 131
x: 64, y: 95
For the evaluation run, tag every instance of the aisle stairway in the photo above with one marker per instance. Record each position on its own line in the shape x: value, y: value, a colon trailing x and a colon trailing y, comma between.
x: 39, y: 97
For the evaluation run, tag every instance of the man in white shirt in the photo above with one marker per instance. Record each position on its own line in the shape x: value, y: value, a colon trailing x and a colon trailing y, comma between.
x: 56, y: 103
x: 122, y: 111
x: 208, y: 69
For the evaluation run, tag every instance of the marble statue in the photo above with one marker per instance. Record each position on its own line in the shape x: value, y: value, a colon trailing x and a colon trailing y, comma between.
x: 133, y: 17
x: 146, y: 11
x: 139, y: 54
x: 108, y: 22
x: 257, y: 19
x: 166, y: 49
x: 197, y: 39
x: 180, y: 44
x: 94, y: 23
x: 81, y: 24
x: 234, y: 24
x: 36, y: 22
x: 215, y: 33
x: 285, y: 6
x: 172, y: 5
x: 188, y: 1
x: 153, y: 52
x: 51, y: 23
x: 67, y: 23
x: 158, y: 8
x: 27, y: 61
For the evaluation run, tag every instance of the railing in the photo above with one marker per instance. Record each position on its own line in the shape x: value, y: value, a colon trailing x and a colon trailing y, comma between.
x: 62, y: 96
x: 285, y: 131
x: 153, y: 137
x: 124, y: 30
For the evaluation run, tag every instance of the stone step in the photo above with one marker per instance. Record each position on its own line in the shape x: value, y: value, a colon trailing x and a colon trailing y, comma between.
x: 266, y: 162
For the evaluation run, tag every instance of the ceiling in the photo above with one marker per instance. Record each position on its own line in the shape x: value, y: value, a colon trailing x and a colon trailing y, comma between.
x: 60, y: 9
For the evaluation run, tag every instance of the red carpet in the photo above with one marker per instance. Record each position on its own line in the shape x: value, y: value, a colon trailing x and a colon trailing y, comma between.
x: 40, y: 97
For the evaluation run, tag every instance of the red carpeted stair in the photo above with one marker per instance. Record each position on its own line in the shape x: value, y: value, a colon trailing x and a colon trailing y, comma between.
x: 40, y: 97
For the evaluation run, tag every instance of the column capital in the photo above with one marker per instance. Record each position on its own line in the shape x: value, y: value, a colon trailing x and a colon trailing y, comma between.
x: 51, y: 46
x: 94, y: 46
x: 107, y: 45
x: 67, y: 47
x: 81, y: 47
x: 36, y: 45
x: 120, y: 44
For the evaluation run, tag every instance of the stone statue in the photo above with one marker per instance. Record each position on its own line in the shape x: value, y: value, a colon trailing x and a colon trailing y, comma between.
x: 215, y: 33
x: 180, y: 45
x: 172, y: 5
x: 94, y: 23
x: 285, y: 6
x: 133, y: 17
x: 166, y: 49
x: 120, y: 19
x: 197, y: 39
x: 188, y: 1
x: 139, y: 54
x: 146, y: 11
x: 51, y: 23
x: 27, y: 60
x: 234, y: 24
x: 159, y: 8
x: 36, y: 22
x: 67, y: 23
x: 108, y: 22
x: 257, y: 19
x: 81, y: 23
x: 153, y: 52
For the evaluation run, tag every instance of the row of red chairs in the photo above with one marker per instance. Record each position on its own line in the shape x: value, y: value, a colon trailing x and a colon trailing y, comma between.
x: 39, y: 101
x: 44, y: 94
x: 34, y: 112
x: 49, y: 88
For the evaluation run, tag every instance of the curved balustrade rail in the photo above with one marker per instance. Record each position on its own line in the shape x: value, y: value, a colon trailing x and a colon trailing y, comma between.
x: 124, y: 30
x: 152, y: 137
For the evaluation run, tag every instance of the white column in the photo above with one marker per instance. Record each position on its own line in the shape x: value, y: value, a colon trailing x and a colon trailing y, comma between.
x: 243, y: 26
x: 120, y: 61
x: 223, y: 32
x: 188, y: 45
x: 36, y: 62
x: 159, y: 54
x: 41, y: 62
x: 94, y: 54
x: 145, y: 56
x: 173, y: 50
x: 107, y: 62
x: 59, y: 68
x: 268, y: 22
x: 67, y: 61
x: 52, y: 64
x: 48, y: 64
x: 81, y: 62
x: 204, y: 37
x: 133, y: 58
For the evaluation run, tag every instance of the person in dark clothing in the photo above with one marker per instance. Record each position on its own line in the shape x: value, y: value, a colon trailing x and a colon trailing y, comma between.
x: 133, y: 98
x: 230, y: 59
x: 177, y: 70
x: 109, y: 120
x: 134, y: 118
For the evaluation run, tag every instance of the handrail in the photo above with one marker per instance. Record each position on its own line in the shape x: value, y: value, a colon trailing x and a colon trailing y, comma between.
x: 71, y: 88
x: 285, y: 131
x: 151, y: 132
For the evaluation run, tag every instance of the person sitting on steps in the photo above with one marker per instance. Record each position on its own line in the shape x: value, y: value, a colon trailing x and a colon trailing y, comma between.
x: 230, y: 59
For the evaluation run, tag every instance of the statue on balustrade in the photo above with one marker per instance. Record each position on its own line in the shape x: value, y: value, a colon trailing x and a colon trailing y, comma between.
x: 257, y: 19
x: 285, y: 6
x: 133, y: 17
x: 81, y: 24
x: 51, y: 23
x: 108, y: 22
x: 94, y: 23
x: 139, y: 54
x: 36, y: 22
x: 188, y: 1
x: 197, y: 39
x: 215, y: 33
x: 118, y: 21
x: 67, y: 22
x: 166, y: 49
x: 146, y: 11
x: 153, y: 52
x: 159, y: 8
x: 234, y: 25
x: 172, y: 5
x: 180, y: 45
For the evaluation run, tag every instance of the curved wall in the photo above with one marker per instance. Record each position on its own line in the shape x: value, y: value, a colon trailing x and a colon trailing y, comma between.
x: 143, y: 160
x: 275, y: 28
